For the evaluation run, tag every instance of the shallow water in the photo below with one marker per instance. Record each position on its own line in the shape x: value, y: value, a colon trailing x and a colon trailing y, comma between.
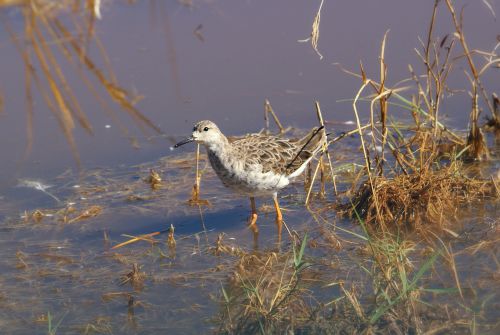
x: 249, y: 53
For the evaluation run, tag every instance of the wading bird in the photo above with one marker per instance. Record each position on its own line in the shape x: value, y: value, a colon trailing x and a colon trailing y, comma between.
x: 257, y: 164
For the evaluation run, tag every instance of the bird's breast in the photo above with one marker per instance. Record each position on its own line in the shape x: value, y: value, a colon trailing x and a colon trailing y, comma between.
x: 244, y: 178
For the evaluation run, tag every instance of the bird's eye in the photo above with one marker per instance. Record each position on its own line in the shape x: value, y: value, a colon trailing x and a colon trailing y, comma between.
x: 205, y: 129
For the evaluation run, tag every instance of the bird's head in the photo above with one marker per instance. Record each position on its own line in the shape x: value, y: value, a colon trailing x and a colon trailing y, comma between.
x: 204, y: 132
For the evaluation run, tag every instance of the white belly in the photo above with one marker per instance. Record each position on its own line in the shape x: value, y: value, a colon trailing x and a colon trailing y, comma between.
x: 249, y: 181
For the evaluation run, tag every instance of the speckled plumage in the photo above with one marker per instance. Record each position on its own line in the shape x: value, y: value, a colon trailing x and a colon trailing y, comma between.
x: 256, y: 164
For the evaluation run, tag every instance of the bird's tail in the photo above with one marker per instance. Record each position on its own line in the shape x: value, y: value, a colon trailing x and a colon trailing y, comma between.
x: 309, y: 145
x: 314, y: 140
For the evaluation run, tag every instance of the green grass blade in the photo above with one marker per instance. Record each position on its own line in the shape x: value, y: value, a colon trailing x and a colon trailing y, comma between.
x: 297, y: 258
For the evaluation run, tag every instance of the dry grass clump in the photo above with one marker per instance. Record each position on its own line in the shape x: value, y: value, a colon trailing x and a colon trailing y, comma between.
x: 429, y: 196
x: 417, y: 178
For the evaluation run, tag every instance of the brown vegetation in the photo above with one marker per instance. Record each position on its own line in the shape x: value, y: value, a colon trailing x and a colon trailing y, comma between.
x: 43, y: 61
x: 425, y: 177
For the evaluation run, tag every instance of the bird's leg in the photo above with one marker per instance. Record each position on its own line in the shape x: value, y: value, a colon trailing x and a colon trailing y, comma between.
x: 253, y: 218
x: 279, y: 217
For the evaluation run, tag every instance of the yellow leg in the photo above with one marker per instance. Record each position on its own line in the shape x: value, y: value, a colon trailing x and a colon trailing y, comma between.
x: 279, y: 217
x: 253, y: 217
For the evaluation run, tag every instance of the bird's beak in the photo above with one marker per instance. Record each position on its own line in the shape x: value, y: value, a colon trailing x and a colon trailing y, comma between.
x: 185, y: 141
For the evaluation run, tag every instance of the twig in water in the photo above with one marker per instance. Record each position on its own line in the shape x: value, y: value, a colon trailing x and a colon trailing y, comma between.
x: 37, y: 186
x: 195, y: 193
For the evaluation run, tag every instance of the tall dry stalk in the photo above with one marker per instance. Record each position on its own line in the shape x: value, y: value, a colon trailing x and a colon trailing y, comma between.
x: 268, y: 109
x: 320, y: 166
x: 458, y: 24
x: 314, y: 37
x: 437, y: 67
x: 476, y: 141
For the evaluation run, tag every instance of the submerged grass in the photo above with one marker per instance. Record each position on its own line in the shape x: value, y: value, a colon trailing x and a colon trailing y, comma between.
x: 396, y: 294
x: 266, y: 293
x: 338, y: 279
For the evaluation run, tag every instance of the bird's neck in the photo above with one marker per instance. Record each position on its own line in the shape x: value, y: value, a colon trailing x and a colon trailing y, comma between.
x: 219, y: 147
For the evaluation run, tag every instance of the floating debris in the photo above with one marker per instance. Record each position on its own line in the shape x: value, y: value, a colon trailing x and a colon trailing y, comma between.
x: 171, y: 239
x: 154, y: 179
x: 135, y: 278
x: 133, y: 239
x: 90, y: 212
x: 37, y: 185
x: 37, y: 215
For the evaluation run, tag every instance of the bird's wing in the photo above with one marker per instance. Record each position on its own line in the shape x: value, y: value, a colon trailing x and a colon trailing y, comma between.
x: 276, y: 154
x: 270, y: 152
